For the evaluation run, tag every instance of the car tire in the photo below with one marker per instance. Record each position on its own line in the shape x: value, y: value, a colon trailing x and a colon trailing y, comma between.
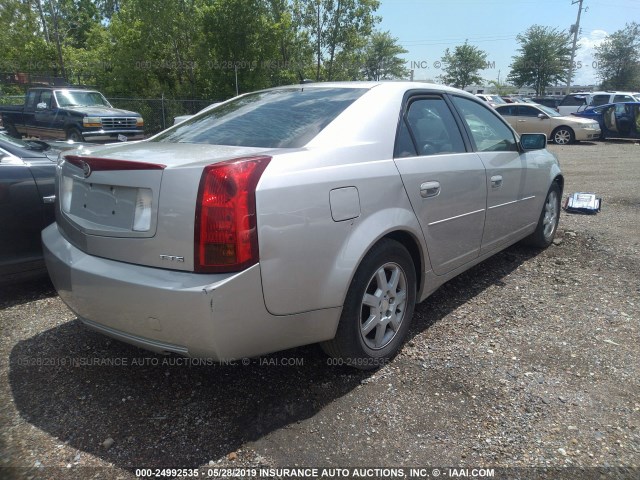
x: 12, y: 130
x: 377, y: 310
x: 547, y: 226
x: 563, y: 136
x: 74, y: 135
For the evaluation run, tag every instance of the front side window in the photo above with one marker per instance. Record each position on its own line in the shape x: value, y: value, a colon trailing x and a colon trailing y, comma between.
x: 283, y: 118
x: 433, y: 127
x: 31, y: 100
x: 489, y: 132
x: 45, y: 97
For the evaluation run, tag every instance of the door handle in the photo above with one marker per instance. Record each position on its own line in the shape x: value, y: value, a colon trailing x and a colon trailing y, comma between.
x: 430, y: 189
x: 49, y: 199
x: 521, y: 121
x: 496, y: 181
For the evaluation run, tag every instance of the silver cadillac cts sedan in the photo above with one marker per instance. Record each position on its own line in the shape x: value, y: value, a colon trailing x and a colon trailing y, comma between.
x: 295, y: 215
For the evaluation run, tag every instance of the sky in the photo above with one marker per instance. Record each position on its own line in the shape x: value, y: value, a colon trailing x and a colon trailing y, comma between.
x: 426, y: 28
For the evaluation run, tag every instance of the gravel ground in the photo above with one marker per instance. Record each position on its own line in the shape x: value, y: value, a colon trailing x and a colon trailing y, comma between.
x: 531, y: 359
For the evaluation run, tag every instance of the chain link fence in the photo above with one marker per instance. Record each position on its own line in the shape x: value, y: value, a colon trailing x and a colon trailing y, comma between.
x: 158, y: 113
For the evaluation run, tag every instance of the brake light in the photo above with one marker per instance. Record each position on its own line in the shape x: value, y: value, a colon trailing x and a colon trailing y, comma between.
x: 226, y: 237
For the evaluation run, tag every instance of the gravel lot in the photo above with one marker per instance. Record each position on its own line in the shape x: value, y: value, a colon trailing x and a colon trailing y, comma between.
x: 528, y: 360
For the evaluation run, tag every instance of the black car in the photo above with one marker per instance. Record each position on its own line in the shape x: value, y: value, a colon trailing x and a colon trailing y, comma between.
x: 27, y: 170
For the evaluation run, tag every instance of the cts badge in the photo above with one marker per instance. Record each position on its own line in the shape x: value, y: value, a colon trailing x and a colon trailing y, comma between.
x: 172, y: 258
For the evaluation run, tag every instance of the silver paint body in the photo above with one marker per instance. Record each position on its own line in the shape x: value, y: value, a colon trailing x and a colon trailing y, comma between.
x: 320, y: 209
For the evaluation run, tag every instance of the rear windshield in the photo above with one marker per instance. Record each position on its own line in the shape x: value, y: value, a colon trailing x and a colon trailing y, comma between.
x: 287, y: 118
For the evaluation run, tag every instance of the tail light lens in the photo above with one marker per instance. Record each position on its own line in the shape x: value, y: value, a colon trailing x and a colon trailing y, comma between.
x: 226, y: 237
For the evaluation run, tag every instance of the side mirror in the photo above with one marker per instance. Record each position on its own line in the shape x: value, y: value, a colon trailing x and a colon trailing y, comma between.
x: 533, y: 141
x: 542, y: 116
x: 41, y: 106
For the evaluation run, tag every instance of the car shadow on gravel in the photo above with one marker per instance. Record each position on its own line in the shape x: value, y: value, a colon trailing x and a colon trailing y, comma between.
x: 464, y: 287
x: 170, y: 412
x: 26, y: 291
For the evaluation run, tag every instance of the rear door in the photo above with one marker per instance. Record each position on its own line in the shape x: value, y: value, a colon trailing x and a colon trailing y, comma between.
x: 444, y: 180
x: 510, y: 199
x: 529, y: 122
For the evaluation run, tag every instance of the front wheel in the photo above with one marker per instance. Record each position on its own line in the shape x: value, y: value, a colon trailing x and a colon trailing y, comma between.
x: 563, y: 136
x: 75, y: 135
x: 378, y: 308
x: 12, y: 130
x: 545, y: 231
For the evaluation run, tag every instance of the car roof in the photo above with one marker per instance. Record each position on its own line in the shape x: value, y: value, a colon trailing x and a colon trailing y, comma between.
x: 392, y: 86
x: 524, y: 104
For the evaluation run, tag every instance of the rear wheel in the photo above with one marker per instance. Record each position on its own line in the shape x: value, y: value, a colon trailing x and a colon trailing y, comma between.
x: 545, y: 231
x: 563, y: 136
x: 74, y: 135
x: 378, y: 308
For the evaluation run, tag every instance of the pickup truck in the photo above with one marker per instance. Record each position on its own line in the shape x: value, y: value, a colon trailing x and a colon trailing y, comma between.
x: 70, y: 114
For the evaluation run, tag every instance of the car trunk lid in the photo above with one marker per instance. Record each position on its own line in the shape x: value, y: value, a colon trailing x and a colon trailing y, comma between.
x: 136, y: 203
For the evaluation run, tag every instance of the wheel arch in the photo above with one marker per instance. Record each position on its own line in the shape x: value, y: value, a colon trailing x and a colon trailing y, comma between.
x: 408, y: 241
x: 409, y: 238
x: 567, y: 127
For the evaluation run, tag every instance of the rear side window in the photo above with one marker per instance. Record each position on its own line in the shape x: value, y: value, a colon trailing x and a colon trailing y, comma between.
x: 31, y: 100
x: 573, y: 101
x: 599, y: 100
x: 287, y: 118
x: 490, y: 133
x: 622, y: 98
x: 433, y: 127
x: 528, y: 111
x: 507, y: 111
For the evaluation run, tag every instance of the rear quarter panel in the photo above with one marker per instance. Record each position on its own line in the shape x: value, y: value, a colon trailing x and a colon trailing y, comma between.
x: 307, y: 258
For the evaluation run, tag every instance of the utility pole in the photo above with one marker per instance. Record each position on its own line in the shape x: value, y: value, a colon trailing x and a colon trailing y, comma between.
x: 575, y: 29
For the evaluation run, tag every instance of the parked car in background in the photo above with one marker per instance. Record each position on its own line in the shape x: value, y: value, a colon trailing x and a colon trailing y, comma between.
x: 551, y: 102
x: 492, y: 100
x: 27, y: 171
x: 70, y: 114
x: 616, y: 120
x: 576, y: 102
x: 295, y: 215
x: 182, y: 118
x: 530, y: 118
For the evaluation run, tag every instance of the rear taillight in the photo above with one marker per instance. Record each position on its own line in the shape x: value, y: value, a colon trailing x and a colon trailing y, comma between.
x: 226, y: 237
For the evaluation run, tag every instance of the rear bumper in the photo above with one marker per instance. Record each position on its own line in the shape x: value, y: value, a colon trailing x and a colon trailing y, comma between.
x: 222, y: 317
x: 111, y: 135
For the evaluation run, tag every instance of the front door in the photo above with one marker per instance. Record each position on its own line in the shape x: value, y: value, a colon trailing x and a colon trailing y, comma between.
x: 444, y: 180
x: 511, y: 201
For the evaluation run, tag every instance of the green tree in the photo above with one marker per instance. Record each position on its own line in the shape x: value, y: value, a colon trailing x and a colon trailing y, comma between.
x: 502, y: 88
x: 618, y: 59
x: 461, y: 66
x: 544, y: 58
x: 382, y: 60
x: 335, y: 26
